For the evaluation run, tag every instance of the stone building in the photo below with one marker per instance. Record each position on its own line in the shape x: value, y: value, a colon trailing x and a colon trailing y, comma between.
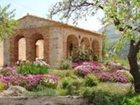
x: 41, y: 38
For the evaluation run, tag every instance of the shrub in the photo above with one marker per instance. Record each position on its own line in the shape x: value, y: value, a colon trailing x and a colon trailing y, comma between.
x: 91, y: 80
x: 104, y: 76
x: 66, y: 64
x: 118, y: 76
x: 86, y: 92
x: 66, y: 82
x: 2, y: 86
x: 9, y: 70
x: 70, y: 85
x: 32, y: 69
x: 99, y: 97
x: 131, y: 100
x: 29, y: 81
x: 44, y: 92
x: 105, y: 98
x: 128, y: 75
x: 50, y: 81
x: 84, y: 54
x: 87, y: 68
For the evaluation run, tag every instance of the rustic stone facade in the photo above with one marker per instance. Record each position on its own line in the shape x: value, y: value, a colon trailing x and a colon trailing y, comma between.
x: 57, y: 38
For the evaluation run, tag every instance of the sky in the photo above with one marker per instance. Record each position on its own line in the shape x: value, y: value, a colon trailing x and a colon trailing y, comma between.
x: 41, y: 7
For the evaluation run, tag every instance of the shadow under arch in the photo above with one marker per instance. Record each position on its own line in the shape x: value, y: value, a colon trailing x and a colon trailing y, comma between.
x: 72, y: 44
x: 36, y: 47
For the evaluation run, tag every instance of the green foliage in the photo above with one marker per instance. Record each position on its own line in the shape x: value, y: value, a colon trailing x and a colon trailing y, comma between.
x: 117, y: 59
x: 2, y: 87
x: 125, y: 16
x: 90, y: 80
x: 131, y: 100
x: 100, y: 97
x: 48, y: 84
x: 129, y: 76
x: 105, y: 98
x: 32, y: 69
x: 39, y: 87
x: 43, y: 92
x: 62, y: 92
x: 86, y: 92
x: 70, y: 85
x: 66, y: 64
x: 7, y: 24
x: 61, y: 73
x: 114, y: 88
x: 84, y: 55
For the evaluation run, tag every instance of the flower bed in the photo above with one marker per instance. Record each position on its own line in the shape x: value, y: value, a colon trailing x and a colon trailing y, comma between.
x: 9, y: 76
x: 62, y: 82
x: 113, y: 74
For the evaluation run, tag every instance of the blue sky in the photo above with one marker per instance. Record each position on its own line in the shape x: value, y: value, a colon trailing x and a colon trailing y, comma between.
x: 41, y: 8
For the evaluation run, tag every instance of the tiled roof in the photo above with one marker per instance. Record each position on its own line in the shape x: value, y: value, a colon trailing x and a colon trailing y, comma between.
x: 61, y: 24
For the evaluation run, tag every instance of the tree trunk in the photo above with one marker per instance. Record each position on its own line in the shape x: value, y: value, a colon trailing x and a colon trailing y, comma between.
x: 134, y: 69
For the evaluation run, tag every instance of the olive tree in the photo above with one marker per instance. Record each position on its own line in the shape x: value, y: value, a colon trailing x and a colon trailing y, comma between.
x: 124, y: 14
x: 7, y: 23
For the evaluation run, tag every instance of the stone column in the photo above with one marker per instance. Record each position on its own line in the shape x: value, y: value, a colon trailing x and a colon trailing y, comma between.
x: 30, y: 49
x: 55, y: 47
x: 13, y: 51
x: 46, y: 49
x: 6, y: 51
x: 1, y: 53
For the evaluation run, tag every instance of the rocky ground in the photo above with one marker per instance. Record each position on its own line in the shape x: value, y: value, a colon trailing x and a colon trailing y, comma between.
x: 45, y: 100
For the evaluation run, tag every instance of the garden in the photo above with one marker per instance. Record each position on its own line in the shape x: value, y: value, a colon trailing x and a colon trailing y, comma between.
x: 99, y: 83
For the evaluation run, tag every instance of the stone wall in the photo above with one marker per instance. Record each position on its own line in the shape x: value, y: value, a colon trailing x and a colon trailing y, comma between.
x: 46, y: 100
x: 1, y: 54
x: 4, y: 52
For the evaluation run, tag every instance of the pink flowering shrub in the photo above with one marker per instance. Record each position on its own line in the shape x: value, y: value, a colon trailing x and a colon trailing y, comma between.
x: 9, y: 76
x: 87, y: 68
x: 28, y: 81
x: 83, y: 70
x: 119, y: 76
x: 104, y: 76
x: 33, y: 80
x: 51, y: 80
x: 9, y: 70
x: 95, y: 68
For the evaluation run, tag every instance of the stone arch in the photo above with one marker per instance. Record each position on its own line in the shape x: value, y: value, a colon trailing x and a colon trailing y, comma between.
x: 85, y: 43
x: 72, y: 45
x: 95, y: 47
x: 14, y: 48
x: 33, y: 41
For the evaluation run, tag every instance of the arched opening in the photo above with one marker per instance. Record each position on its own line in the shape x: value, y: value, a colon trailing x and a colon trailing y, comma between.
x: 22, y: 49
x: 72, y: 45
x: 39, y: 49
x: 36, y: 47
x: 95, y: 47
x: 85, y: 44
